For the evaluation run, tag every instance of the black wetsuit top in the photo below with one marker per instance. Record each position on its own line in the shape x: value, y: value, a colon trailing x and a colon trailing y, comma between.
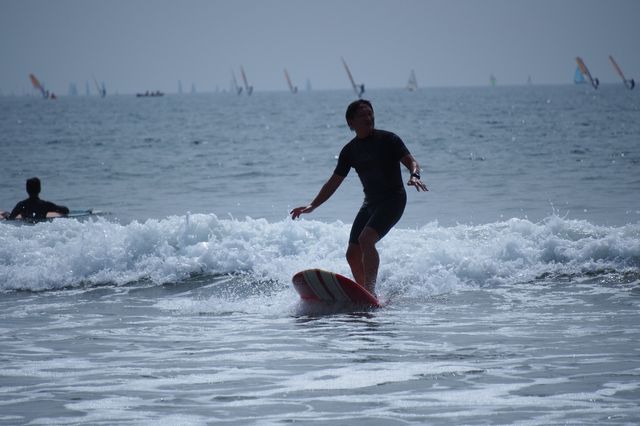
x: 376, y: 159
x: 34, y: 209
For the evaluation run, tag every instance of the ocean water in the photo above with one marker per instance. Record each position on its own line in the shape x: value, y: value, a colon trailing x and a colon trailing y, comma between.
x: 511, y: 288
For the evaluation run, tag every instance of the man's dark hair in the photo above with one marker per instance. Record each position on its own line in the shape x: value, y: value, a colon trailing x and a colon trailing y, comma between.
x: 353, y: 107
x: 33, y: 186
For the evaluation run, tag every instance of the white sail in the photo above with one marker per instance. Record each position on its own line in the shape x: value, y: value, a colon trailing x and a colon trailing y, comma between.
x: 412, y: 84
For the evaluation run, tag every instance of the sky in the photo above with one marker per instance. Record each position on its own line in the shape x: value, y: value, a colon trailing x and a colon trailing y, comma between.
x: 138, y: 45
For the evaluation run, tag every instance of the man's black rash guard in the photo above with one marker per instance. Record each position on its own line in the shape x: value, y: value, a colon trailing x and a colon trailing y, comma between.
x: 36, y: 209
x: 376, y: 159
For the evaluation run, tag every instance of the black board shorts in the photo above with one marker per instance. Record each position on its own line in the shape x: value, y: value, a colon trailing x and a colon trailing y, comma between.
x: 380, y: 216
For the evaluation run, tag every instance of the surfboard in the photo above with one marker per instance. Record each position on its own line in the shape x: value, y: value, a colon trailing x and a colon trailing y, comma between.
x: 73, y: 214
x: 328, y: 287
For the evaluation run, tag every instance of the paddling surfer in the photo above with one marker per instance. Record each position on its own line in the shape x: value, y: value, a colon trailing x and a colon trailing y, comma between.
x: 33, y: 208
x: 376, y: 156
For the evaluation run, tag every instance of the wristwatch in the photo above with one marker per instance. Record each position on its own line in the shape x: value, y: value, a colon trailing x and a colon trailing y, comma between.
x: 416, y: 175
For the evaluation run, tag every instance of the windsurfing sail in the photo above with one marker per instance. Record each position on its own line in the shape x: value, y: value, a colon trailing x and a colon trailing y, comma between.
x: 492, y: 80
x: 412, y: 84
x: 73, y: 89
x: 234, y: 84
x: 629, y: 84
x: 36, y: 85
x: 357, y: 88
x: 247, y: 88
x: 578, y: 78
x: 292, y: 88
x: 585, y: 72
x: 101, y: 89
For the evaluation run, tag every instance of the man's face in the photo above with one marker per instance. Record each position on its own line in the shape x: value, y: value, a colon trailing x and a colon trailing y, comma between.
x: 363, y: 121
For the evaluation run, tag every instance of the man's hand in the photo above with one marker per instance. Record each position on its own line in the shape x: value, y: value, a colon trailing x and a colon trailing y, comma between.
x: 414, y: 181
x: 295, y: 213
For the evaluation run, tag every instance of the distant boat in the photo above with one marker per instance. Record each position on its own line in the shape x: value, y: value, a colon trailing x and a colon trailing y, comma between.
x: 629, y: 84
x: 492, y: 80
x: 148, y: 94
x: 585, y: 73
x: 357, y: 88
x: 292, y: 88
x: 101, y: 89
x: 412, y: 84
x: 73, y: 89
x: 248, y: 89
x: 179, y: 87
x: 308, y: 85
x: 234, y: 84
x: 40, y: 87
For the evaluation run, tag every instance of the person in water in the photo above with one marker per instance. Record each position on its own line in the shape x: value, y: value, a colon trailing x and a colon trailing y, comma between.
x: 376, y: 156
x: 33, y: 208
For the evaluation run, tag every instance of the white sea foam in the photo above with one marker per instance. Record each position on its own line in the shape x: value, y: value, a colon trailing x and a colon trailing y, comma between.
x: 427, y: 260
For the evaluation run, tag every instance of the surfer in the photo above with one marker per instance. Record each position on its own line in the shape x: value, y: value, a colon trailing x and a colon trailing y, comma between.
x: 376, y: 156
x: 33, y: 208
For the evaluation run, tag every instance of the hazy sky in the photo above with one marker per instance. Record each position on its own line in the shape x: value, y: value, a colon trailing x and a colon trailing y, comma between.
x: 136, y: 45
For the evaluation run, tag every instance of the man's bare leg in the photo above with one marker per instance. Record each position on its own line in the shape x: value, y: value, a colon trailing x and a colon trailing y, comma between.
x: 354, y: 257
x: 370, y: 258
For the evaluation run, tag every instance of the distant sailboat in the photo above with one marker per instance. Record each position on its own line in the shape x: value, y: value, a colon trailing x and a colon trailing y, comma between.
x: 357, y: 88
x: 292, y: 88
x: 247, y: 88
x: 73, y: 89
x: 492, y: 80
x: 40, y: 87
x: 179, y: 87
x: 101, y: 89
x: 234, y: 84
x: 36, y: 85
x: 585, y: 73
x: 308, y: 85
x: 629, y: 84
x: 412, y: 84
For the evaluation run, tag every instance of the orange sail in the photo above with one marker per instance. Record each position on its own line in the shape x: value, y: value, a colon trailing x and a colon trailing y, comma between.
x: 585, y: 71
x: 37, y: 85
x: 629, y: 84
